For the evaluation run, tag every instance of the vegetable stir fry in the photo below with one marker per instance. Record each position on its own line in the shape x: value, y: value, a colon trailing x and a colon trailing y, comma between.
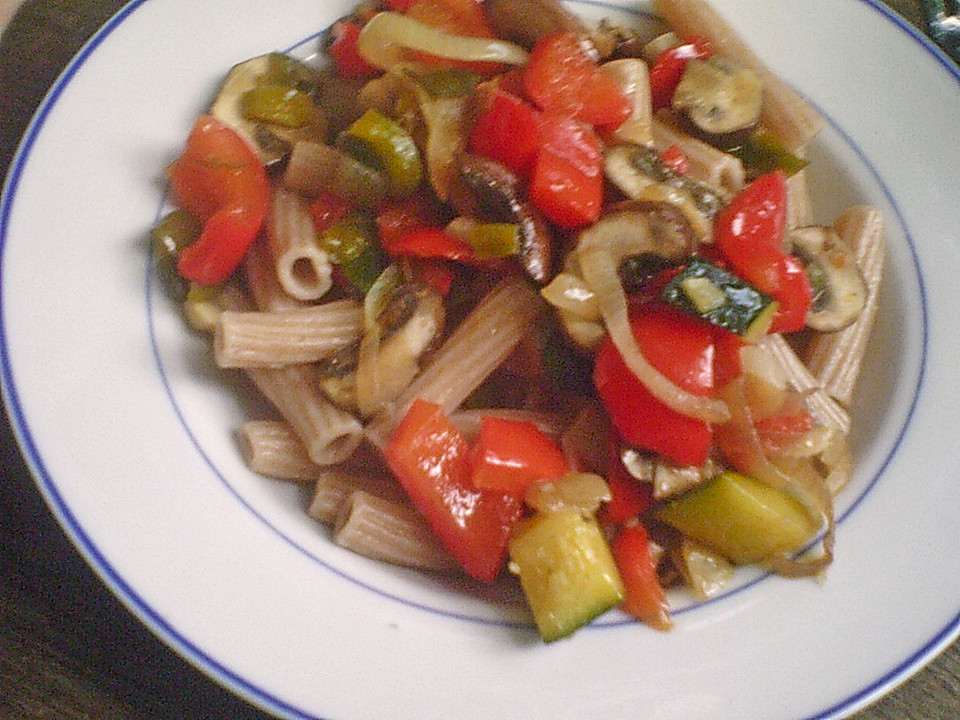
x: 535, y: 300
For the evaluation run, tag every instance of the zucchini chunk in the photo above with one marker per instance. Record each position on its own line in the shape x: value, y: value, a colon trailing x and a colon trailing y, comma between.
x: 722, y: 299
x: 762, y: 153
x: 719, y: 101
x: 741, y: 518
x: 566, y: 570
x: 380, y: 142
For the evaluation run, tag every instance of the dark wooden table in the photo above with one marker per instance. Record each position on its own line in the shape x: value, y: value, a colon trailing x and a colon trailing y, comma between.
x: 68, y: 648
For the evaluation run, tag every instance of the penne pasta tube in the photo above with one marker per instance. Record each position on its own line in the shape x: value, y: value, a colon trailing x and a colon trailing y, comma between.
x: 824, y: 408
x: 303, y: 270
x: 285, y: 337
x: 487, y: 336
x: 329, y: 433
x: 799, y: 207
x: 389, y: 531
x: 273, y: 449
x: 791, y: 119
x: 707, y: 163
x: 631, y: 76
x: 262, y: 281
x: 835, y: 358
x: 333, y: 487
x: 315, y: 168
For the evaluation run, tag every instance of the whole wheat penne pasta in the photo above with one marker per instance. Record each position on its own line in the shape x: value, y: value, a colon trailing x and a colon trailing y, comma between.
x: 707, y: 163
x: 285, y: 337
x: 632, y: 77
x: 310, y: 167
x: 791, y: 119
x: 390, y: 531
x: 835, y: 358
x: 824, y: 408
x: 314, y: 168
x: 329, y: 433
x: 799, y: 207
x: 262, y: 281
x: 303, y: 269
x: 272, y: 448
x: 475, y: 349
x: 333, y: 487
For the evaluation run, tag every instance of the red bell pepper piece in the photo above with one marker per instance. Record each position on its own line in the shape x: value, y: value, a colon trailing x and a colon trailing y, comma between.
x: 645, y: 598
x: 430, y: 458
x: 756, y: 216
x: 794, y: 295
x: 435, y: 273
x: 507, y: 131
x: 399, y: 6
x: 343, y: 51
x: 511, y: 455
x: 780, y: 431
x: 667, y: 69
x: 679, y: 346
x: 727, y: 365
x: 561, y: 78
x: 398, y: 217
x: 674, y: 158
x: 219, y: 180
x: 628, y: 496
x: 567, y: 180
x: 326, y: 210
x: 749, y: 234
x: 430, y: 242
x: 457, y: 17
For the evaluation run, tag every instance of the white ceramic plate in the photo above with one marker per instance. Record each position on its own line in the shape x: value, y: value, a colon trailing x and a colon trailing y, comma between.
x: 129, y: 431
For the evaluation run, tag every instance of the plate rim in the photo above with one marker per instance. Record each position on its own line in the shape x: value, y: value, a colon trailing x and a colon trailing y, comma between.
x: 101, y: 564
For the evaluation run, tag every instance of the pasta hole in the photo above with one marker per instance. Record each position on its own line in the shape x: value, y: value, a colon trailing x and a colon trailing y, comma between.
x: 304, y: 272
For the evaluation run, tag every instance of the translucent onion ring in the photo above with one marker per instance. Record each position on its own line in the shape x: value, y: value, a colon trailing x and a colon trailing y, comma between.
x: 599, y: 264
x: 387, y: 34
x: 741, y: 446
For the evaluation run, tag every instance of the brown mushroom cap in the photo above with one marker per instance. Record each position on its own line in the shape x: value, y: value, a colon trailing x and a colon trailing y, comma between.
x: 489, y: 191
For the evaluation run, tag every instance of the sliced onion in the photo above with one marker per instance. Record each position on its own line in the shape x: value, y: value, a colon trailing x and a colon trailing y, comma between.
x: 368, y: 382
x: 599, y: 264
x: 797, y: 477
x: 444, y: 120
x: 387, y: 34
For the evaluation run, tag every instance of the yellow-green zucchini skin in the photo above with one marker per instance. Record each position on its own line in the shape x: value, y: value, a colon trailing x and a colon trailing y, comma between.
x: 566, y: 571
x: 741, y: 518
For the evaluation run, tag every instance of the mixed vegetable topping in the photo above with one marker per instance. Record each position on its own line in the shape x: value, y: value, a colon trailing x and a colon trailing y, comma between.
x: 653, y: 422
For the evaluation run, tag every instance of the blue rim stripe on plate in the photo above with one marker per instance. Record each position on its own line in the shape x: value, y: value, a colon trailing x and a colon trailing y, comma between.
x: 140, y: 607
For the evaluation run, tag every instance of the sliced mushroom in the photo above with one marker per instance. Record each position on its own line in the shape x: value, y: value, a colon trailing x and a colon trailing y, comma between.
x: 633, y: 167
x: 614, y: 41
x: 273, y: 72
x: 839, y: 292
x: 526, y: 21
x: 403, y: 330
x: 639, y: 174
x: 719, y: 101
x: 633, y: 229
x: 667, y: 479
x: 489, y: 191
